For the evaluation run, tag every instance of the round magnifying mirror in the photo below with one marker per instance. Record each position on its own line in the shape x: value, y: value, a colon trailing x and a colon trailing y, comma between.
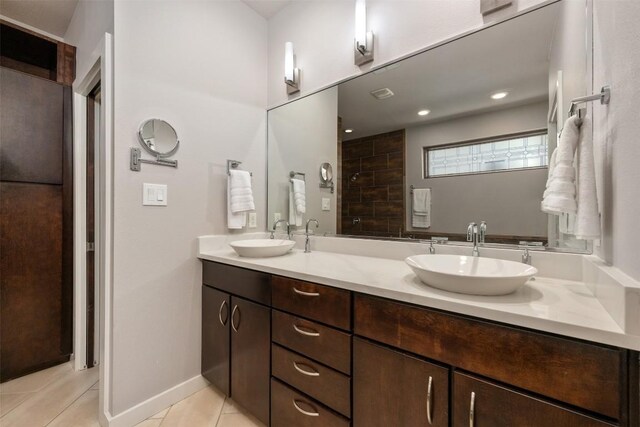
x: 326, y: 173
x: 158, y: 137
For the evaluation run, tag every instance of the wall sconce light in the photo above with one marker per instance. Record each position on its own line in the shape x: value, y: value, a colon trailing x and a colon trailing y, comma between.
x: 291, y: 73
x: 363, y: 51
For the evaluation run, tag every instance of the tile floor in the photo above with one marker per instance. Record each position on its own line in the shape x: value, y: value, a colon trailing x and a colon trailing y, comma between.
x: 61, y: 397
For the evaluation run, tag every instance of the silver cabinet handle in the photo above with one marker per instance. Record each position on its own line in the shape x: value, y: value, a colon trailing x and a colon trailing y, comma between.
x: 472, y: 409
x: 223, y: 322
x: 311, y: 372
x: 310, y: 414
x: 430, y: 401
x: 306, y: 294
x: 233, y: 315
x: 300, y: 331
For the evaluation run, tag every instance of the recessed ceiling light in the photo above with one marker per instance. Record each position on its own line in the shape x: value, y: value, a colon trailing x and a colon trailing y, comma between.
x: 348, y: 130
x: 423, y: 112
x: 499, y: 95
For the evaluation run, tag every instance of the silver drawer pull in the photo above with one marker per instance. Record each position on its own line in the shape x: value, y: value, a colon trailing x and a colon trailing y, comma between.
x: 223, y: 322
x: 430, y: 401
x: 472, y: 409
x: 310, y: 414
x: 233, y: 315
x: 311, y: 372
x: 309, y: 334
x: 306, y: 294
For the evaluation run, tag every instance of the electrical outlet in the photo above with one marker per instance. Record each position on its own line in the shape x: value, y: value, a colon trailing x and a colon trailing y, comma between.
x: 252, y: 220
x: 326, y: 204
x: 276, y: 216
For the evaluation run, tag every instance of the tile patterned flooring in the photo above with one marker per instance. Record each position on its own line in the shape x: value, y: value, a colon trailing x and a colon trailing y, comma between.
x: 61, y: 397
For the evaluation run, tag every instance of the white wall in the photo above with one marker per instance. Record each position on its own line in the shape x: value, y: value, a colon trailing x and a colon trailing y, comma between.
x: 302, y: 136
x: 322, y: 34
x: 90, y: 21
x: 617, y: 129
x: 458, y: 200
x: 200, y: 66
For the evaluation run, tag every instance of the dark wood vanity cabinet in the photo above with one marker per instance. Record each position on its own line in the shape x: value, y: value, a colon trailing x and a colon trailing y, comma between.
x: 236, y: 335
x: 391, y: 388
x: 519, y: 377
x: 311, y: 351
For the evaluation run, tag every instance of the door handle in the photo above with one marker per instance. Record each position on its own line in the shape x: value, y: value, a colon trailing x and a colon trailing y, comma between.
x: 472, y: 409
x: 223, y: 322
x: 430, y: 401
x: 233, y: 315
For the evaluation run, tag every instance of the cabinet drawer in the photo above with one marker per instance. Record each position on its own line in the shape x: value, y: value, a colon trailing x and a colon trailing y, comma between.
x: 322, y: 303
x: 395, y: 389
x: 323, y: 384
x: 496, y: 406
x: 581, y: 374
x: 248, y: 284
x: 290, y: 408
x: 322, y: 343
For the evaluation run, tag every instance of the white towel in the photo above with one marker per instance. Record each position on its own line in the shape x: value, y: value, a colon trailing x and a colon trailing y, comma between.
x: 295, y: 218
x: 421, y: 212
x: 239, y: 199
x: 299, y: 195
x: 560, y: 194
x: 587, y: 224
x: 241, y: 193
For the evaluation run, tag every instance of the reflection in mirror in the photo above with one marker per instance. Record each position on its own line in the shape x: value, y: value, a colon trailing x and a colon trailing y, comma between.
x: 469, y: 125
x: 158, y: 137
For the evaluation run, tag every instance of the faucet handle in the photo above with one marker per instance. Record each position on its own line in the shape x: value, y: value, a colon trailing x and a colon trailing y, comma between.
x: 471, y: 230
x: 483, y: 231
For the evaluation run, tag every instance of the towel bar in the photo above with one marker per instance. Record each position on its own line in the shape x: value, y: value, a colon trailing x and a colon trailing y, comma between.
x: 233, y: 164
x: 292, y: 174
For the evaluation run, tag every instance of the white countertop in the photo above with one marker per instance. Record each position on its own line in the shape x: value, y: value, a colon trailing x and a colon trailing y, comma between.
x: 557, y: 306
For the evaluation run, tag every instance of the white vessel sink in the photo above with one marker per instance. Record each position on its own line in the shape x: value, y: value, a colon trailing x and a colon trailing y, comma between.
x: 471, y: 275
x: 262, y: 248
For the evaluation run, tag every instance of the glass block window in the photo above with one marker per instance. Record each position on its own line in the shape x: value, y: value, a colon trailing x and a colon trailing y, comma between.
x: 523, y: 151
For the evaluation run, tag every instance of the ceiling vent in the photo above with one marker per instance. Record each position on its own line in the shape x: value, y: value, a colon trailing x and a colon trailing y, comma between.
x: 383, y: 93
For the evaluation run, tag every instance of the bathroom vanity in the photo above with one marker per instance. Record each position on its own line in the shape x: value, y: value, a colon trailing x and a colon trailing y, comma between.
x: 296, y: 352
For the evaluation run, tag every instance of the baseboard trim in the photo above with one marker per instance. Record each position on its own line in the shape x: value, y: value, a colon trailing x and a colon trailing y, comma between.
x: 157, y: 403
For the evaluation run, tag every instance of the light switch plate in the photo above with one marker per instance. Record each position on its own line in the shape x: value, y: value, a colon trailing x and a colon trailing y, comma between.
x: 154, y: 194
x: 326, y: 204
x: 252, y: 220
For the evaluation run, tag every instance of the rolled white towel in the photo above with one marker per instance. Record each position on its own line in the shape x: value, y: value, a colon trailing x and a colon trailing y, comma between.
x: 299, y: 195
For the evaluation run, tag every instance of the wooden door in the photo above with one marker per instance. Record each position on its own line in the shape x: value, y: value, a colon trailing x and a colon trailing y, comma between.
x: 36, y: 234
x: 216, y: 344
x: 251, y: 356
x: 395, y: 389
x: 479, y: 403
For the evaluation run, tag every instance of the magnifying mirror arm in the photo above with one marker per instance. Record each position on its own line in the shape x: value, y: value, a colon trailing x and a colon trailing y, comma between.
x: 136, y: 160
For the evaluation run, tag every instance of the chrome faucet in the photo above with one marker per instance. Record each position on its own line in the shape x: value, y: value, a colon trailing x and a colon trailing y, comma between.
x: 476, y: 235
x: 438, y: 240
x: 275, y: 225
x: 526, y: 256
x: 307, y: 245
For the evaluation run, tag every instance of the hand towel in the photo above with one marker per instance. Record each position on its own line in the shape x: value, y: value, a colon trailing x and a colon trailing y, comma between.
x: 587, y: 225
x: 241, y: 193
x: 235, y: 221
x: 421, y: 208
x: 560, y: 194
x: 295, y: 218
x: 299, y: 195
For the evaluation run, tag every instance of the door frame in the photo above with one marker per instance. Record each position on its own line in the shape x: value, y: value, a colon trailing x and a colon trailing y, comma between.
x: 99, y: 70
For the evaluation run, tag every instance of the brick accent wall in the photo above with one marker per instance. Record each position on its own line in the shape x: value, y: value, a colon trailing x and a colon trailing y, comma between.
x: 376, y: 194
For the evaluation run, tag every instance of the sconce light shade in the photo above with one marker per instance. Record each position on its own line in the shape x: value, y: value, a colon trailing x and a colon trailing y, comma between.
x: 291, y: 73
x: 363, y: 50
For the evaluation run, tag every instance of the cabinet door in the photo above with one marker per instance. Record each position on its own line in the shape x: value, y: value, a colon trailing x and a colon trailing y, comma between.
x: 479, y: 403
x: 251, y: 356
x: 216, y: 312
x: 394, y: 389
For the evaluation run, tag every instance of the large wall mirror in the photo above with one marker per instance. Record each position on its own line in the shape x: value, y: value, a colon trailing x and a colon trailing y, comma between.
x: 456, y: 134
